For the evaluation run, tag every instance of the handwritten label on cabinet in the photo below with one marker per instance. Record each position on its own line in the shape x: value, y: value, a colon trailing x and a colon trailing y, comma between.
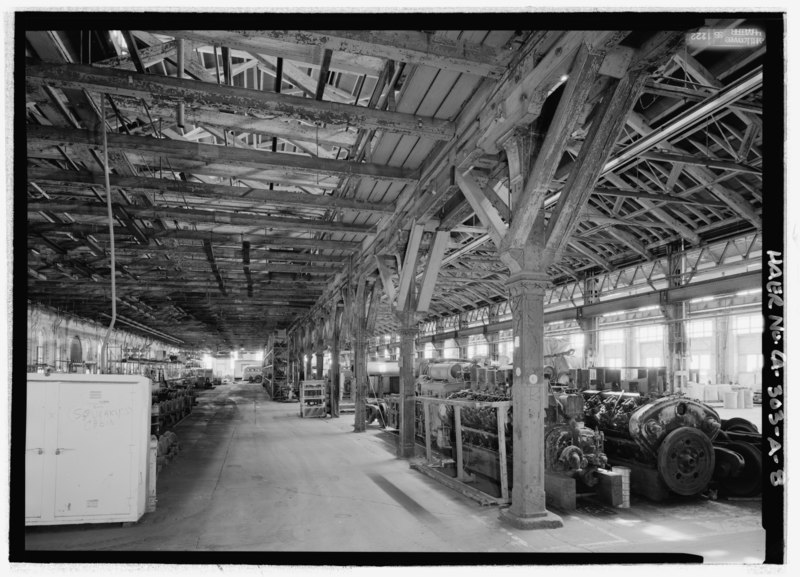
x: 99, y: 417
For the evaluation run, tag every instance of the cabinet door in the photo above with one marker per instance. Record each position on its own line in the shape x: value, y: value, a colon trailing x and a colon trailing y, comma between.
x: 95, y: 469
x: 35, y: 425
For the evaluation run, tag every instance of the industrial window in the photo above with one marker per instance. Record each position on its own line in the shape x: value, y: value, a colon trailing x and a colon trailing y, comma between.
x: 749, y: 324
x: 505, y: 345
x: 702, y: 364
x: 386, y: 353
x: 430, y: 351
x: 650, y: 333
x: 477, y: 347
x: 612, y: 337
x: 653, y: 362
x: 613, y: 362
x: 750, y: 363
x: 576, y: 344
x: 699, y: 329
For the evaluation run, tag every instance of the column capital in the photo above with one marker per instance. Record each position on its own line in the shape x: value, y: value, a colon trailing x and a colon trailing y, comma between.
x: 527, y: 282
x: 407, y: 332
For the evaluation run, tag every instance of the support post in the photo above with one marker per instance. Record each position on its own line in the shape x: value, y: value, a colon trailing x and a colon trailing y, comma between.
x: 426, y: 415
x: 320, y: 355
x: 334, y: 371
x: 527, y: 511
x: 676, y: 329
x: 502, y: 413
x: 459, y: 445
x: 408, y: 331
x: 360, y: 354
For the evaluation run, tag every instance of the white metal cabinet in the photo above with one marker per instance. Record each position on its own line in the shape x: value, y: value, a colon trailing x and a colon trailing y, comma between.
x: 87, y: 438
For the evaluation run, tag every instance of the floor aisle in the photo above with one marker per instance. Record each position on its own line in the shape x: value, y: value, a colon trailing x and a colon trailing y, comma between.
x: 253, y: 476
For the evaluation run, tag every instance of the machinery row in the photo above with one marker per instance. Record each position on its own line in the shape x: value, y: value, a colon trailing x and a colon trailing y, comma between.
x: 671, y: 443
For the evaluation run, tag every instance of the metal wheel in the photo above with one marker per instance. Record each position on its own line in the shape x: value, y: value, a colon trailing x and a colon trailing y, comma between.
x: 686, y: 461
x: 748, y: 482
x: 739, y: 425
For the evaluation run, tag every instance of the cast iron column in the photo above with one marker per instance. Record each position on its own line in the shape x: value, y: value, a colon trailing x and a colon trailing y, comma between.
x: 334, y: 370
x: 407, y: 398
x: 360, y: 378
x: 320, y: 358
x: 529, y: 395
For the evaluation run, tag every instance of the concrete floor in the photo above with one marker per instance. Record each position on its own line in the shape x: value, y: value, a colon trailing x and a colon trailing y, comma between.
x: 253, y: 476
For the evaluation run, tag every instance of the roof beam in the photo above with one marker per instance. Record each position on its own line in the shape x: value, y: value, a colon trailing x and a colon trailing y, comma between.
x: 134, y: 52
x: 583, y: 251
x: 409, y: 271
x: 702, y: 74
x: 42, y: 137
x: 168, y: 91
x: 576, y: 92
x: 209, y: 217
x: 322, y: 80
x: 373, y: 304
x: 148, y: 56
x: 700, y: 161
x: 414, y: 47
x: 630, y: 241
x: 638, y: 194
x: 487, y: 213
x: 659, y: 213
x: 523, y: 91
x: 246, y: 267
x: 263, y: 241
x: 386, y: 279
x: 260, y: 41
x: 294, y: 75
x: 701, y: 111
x: 599, y: 143
x: 732, y: 199
x: 431, y: 273
x: 210, y: 256
x: 191, y: 67
x: 210, y: 191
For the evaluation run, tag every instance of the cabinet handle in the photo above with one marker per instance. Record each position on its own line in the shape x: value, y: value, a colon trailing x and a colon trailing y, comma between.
x: 39, y: 450
x: 62, y: 449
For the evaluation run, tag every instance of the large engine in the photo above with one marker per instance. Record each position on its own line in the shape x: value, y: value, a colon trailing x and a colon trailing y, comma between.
x: 440, y: 379
x: 571, y: 447
x: 672, y: 433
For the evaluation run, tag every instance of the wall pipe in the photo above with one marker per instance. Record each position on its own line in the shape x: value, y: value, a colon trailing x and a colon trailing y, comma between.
x: 104, y: 355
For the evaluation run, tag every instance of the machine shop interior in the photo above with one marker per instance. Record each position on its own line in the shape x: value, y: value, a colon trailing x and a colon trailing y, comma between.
x: 385, y: 290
